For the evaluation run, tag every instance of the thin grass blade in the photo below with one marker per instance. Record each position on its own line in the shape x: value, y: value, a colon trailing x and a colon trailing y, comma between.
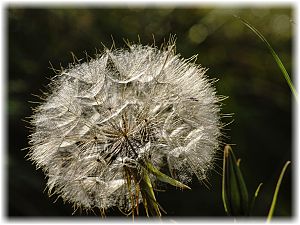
x: 254, y: 197
x: 275, y: 56
x: 273, y: 204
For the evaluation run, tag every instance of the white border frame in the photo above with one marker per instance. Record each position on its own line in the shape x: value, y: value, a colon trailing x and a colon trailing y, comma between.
x: 221, y: 3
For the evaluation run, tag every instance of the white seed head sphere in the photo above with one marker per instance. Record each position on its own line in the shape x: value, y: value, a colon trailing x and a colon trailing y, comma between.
x: 118, y: 109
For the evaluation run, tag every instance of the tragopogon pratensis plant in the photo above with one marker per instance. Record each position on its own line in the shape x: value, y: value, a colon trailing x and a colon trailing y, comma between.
x: 111, y: 124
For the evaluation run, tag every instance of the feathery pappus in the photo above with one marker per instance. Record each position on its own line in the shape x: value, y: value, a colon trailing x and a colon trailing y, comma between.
x: 111, y: 124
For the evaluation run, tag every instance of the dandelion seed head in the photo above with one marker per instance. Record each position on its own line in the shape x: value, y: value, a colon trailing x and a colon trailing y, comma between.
x: 118, y: 109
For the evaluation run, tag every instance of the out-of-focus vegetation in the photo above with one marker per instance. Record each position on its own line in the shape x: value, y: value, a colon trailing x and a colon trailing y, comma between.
x: 258, y: 94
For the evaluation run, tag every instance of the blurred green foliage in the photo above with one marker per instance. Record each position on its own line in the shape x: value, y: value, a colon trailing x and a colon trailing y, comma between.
x: 258, y: 94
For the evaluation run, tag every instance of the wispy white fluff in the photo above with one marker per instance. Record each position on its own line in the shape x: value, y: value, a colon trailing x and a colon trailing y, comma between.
x: 116, y: 109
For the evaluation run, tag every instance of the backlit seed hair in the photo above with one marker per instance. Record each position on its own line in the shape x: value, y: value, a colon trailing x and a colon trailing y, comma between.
x: 108, y: 119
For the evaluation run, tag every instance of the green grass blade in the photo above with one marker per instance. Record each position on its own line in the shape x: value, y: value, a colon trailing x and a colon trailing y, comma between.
x: 254, y: 198
x: 272, y: 208
x: 224, y: 184
x: 275, y: 56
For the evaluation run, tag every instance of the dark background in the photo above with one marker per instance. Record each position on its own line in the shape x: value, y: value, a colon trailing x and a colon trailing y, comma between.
x: 259, y: 97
